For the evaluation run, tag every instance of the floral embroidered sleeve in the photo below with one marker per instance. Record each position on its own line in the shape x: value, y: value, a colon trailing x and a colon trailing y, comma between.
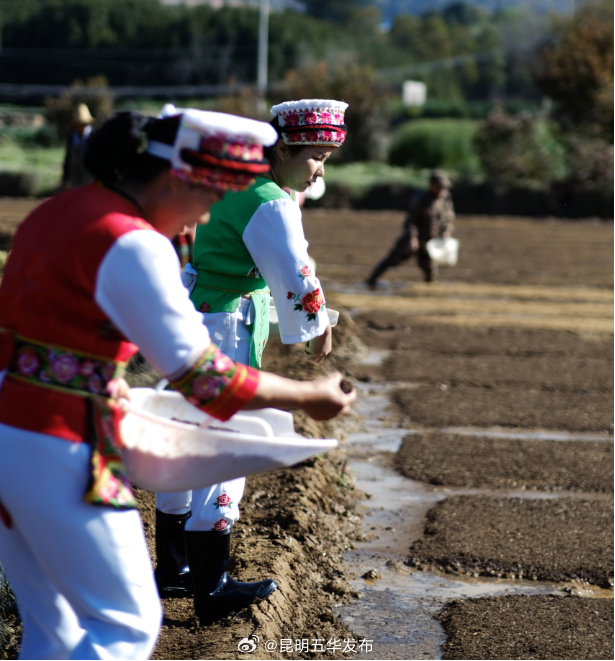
x: 312, y: 302
x: 274, y: 236
x: 217, y: 385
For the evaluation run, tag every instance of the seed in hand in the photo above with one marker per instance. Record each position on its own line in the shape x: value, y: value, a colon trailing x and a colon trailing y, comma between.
x: 346, y: 386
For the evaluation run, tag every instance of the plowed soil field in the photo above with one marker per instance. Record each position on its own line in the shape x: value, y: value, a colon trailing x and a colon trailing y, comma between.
x: 517, y: 336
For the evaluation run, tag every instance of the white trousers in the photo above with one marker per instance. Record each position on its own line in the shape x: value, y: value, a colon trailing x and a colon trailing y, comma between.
x: 81, y: 574
x: 216, y: 507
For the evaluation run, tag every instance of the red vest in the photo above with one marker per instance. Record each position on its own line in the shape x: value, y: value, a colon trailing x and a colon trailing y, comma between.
x: 47, y: 295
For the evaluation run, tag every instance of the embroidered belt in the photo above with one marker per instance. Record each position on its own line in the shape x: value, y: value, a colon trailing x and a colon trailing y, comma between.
x: 88, y: 376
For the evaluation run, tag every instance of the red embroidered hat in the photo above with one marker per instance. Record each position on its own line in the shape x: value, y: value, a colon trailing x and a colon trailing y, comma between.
x: 312, y: 122
x: 213, y: 148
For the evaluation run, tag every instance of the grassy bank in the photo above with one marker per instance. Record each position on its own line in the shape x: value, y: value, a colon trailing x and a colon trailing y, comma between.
x: 44, y: 164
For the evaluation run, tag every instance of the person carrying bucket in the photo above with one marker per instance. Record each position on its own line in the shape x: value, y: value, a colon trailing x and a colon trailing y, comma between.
x: 253, y: 248
x: 431, y: 214
x: 92, y: 276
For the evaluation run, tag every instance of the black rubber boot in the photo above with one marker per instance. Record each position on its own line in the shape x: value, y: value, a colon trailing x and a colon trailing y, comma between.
x: 215, y: 592
x: 172, y: 573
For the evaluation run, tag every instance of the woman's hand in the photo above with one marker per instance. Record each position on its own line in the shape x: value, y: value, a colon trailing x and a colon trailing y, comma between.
x: 321, y: 399
x: 318, y: 348
x: 327, y: 399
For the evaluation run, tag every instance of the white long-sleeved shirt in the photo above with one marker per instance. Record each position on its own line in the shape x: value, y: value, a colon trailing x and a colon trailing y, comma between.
x: 139, y: 288
x: 274, y: 236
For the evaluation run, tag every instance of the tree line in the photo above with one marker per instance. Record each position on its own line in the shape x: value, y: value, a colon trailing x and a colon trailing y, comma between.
x: 462, y: 52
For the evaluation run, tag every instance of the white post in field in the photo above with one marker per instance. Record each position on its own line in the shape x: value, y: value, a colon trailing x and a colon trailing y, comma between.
x: 263, y: 42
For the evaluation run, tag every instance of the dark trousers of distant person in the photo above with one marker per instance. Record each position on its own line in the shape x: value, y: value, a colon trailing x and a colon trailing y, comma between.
x: 401, y: 252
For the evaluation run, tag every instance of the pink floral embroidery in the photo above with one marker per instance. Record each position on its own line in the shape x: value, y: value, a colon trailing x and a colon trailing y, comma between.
x: 292, y: 119
x: 204, y: 307
x: 305, y: 271
x: 84, y: 375
x: 255, y: 152
x: 339, y: 118
x: 310, y: 118
x: 205, y: 381
x: 235, y: 149
x: 223, y: 501
x: 222, y: 363
x: 107, y: 426
x: 295, y: 137
x: 311, y: 136
x: 122, y: 497
x: 109, y: 485
x: 327, y: 136
x: 65, y: 367
x: 221, y: 147
x: 28, y: 362
x: 220, y: 525
x: 212, y: 144
x: 311, y: 303
x: 108, y: 490
x: 205, y: 387
x: 87, y: 368
x: 95, y: 384
x: 325, y: 117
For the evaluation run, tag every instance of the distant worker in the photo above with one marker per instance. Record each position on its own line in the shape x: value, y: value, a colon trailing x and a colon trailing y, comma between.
x: 75, y: 173
x: 431, y: 214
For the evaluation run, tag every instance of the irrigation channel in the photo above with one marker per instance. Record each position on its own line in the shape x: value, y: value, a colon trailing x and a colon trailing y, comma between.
x: 398, y: 603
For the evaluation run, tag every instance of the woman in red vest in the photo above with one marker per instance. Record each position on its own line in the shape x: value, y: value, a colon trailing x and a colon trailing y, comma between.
x: 91, y: 277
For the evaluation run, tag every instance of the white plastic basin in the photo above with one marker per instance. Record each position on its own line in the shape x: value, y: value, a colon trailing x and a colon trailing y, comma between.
x: 443, y: 251
x: 162, y: 453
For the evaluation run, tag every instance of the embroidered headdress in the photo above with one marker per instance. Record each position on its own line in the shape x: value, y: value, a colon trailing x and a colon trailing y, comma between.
x: 312, y: 122
x: 212, y: 148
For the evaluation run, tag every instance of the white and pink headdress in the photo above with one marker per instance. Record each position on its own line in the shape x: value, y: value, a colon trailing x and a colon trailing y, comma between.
x: 211, y: 148
x: 312, y: 122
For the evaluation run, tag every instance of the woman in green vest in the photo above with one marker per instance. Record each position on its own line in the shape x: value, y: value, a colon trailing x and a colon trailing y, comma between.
x: 252, y: 249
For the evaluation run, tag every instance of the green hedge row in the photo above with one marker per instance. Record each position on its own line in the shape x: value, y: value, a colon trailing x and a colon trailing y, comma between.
x: 435, y: 143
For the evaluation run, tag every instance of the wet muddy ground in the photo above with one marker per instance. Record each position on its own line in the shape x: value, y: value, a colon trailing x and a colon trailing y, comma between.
x: 499, y: 377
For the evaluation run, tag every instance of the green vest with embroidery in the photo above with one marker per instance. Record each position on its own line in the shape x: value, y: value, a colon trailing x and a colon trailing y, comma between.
x: 226, y: 270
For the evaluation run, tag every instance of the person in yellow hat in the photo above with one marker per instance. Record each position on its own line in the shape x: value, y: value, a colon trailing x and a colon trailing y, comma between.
x: 75, y: 173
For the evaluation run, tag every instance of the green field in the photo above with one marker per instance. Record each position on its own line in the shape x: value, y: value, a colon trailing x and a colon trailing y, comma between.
x: 45, y: 163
